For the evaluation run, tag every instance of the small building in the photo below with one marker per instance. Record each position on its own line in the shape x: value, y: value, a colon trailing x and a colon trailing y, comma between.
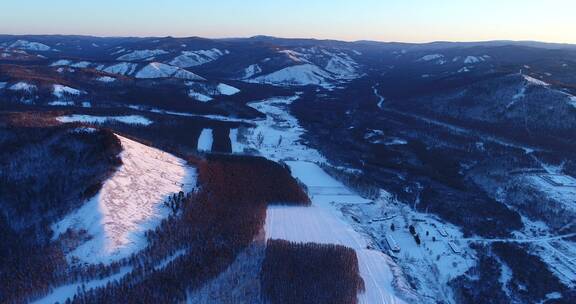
x: 455, y: 248
x: 392, y: 244
x: 442, y: 231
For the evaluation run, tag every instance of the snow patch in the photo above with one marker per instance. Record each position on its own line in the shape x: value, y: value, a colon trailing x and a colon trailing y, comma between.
x: 437, y: 58
x: 237, y: 147
x: 123, y: 68
x: 251, y: 70
x: 22, y: 86
x: 106, y: 79
x: 81, y: 64
x: 129, y: 119
x: 141, y: 54
x: 61, y: 91
x: 161, y: 70
x: 61, y: 62
x: 30, y: 46
x: 196, y: 58
x: 129, y: 204
x: 572, y: 101
x: 61, y: 103
x: 227, y: 90
x: 199, y: 96
x: 534, y: 81
x: 205, y: 140
x: 299, y: 75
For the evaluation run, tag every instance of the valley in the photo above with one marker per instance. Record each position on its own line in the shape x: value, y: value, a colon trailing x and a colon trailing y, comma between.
x: 204, y: 170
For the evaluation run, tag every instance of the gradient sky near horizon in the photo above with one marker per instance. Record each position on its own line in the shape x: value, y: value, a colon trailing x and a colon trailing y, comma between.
x: 383, y: 20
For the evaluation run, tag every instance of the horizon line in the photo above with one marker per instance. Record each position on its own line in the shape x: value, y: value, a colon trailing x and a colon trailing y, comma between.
x: 297, y: 38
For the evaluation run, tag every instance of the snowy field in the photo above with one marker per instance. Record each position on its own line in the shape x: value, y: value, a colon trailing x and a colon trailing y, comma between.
x: 322, y: 188
x: 205, y: 140
x: 310, y: 224
x: 129, y: 204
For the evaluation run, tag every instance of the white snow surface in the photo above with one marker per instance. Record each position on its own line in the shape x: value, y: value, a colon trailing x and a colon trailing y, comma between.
x: 237, y: 147
x: 298, y: 75
x: 81, y: 64
x: 22, y: 86
x: 161, y: 70
x: 295, y: 56
x: 199, y: 96
x: 310, y: 225
x: 123, y: 68
x: 571, y: 101
x: 30, y: 46
x: 61, y: 103
x: 251, y: 70
x: 278, y: 136
x: 323, y: 223
x: 473, y: 59
x: 436, y: 58
x: 227, y: 90
x: 61, y: 91
x: 534, y: 81
x: 196, y: 58
x: 205, y: 140
x: 141, y: 54
x: 106, y: 79
x: 61, y: 62
x: 323, y: 188
x: 129, y: 204
x: 129, y: 119
x: 341, y: 66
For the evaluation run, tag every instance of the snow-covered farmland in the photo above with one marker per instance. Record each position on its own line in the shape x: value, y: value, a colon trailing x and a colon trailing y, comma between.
x: 323, y: 223
x: 322, y: 188
x: 129, y: 119
x: 129, y: 204
x: 311, y: 224
x: 205, y: 140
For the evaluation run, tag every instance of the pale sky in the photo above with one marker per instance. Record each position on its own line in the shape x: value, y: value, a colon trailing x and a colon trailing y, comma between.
x: 383, y: 20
